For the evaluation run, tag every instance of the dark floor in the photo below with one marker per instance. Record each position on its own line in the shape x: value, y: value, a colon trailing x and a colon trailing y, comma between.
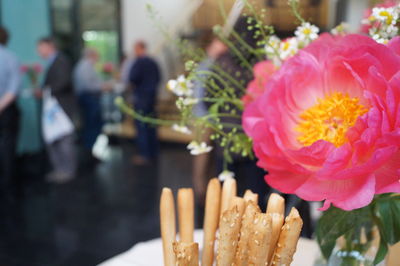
x: 100, y: 214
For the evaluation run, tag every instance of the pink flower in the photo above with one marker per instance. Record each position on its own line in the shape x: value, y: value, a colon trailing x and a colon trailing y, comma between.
x: 37, y: 68
x: 327, y: 126
x: 262, y: 73
x: 108, y: 68
x: 24, y: 68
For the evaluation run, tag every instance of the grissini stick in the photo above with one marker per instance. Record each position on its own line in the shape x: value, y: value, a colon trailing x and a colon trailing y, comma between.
x: 240, y: 203
x: 277, y: 223
x: 260, y: 239
x: 228, y: 192
x: 288, y: 239
x: 167, y: 225
x: 249, y: 195
x: 186, y: 254
x: 229, y: 228
x: 211, y: 219
x: 186, y: 214
x: 276, y: 204
x: 241, y: 257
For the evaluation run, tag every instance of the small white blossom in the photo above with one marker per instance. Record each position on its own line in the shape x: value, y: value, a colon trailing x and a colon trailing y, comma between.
x: 307, y: 32
x: 198, y: 148
x: 341, y: 29
x: 224, y: 175
x: 190, y: 101
x: 181, y: 102
x: 387, y: 16
x: 272, y: 46
x: 288, y: 48
x: 180, y: 86
x: 181, y: 129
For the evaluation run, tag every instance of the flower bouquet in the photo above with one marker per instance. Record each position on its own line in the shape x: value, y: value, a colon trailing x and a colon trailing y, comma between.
x: 33, y: 71
x: 321, y: 114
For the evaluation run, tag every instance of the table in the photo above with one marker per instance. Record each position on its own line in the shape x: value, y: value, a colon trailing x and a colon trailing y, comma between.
x: 150, y: 253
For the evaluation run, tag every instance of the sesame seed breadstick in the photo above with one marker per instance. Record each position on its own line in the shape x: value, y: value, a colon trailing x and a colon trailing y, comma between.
x: 241, y: 257
x: 228, y: 192
x: 186, y: 254
x: 167, y: 225
x: 260, y: 240
x: 288, y: 239
x: 229, y: 228
x: 186, y: 214
x: 239, y: 203
x: 249, y: 195
x: 276, y: 204
x: 211, y: 219
x: 277, y: 222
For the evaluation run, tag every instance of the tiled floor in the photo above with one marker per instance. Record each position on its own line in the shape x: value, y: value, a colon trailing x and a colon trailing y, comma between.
x: 101, y: 213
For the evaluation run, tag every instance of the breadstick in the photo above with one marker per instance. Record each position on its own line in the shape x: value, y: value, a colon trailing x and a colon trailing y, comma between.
x: 186, y: 214
x: 186, y: 254
x: 167, y: 225
x: 277, y: 222
x: 249, y: 195
x: 241, y: 257
x: 228, y: 192
x: 211, y: 219
x: 229, y: 228
x: 288, y: 239
x: 239, y: 203
x: 260, y: 239
x: 276, y: 204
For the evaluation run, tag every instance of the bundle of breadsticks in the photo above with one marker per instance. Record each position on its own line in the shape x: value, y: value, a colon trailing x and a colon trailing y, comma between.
x: 235, y: 226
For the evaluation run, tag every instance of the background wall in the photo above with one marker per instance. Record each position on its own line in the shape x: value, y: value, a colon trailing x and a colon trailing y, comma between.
x: 27, y: 21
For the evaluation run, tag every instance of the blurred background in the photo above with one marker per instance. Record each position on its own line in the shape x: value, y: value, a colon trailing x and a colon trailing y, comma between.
x: 112, y: 203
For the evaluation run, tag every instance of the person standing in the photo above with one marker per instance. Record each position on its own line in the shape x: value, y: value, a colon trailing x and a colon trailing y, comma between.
x: 10, y: 78
x: 144, y: 77
x: 58, y: 80
x: 88, y: 86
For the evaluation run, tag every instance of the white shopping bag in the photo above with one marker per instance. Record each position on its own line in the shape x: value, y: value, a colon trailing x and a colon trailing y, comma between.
x: 55, y: 122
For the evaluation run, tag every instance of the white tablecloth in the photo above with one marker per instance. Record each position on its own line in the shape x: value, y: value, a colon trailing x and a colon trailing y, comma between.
x: 150, y: 253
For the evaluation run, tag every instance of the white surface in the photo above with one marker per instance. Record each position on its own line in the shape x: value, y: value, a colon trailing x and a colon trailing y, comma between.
x: 150, y: 253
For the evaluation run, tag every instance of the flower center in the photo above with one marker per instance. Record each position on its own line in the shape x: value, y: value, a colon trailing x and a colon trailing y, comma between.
x: 307, y: 31
x: 389, y: 17
x: 329, y: 119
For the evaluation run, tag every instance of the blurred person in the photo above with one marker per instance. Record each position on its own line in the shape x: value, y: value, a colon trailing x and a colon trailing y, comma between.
x: 247, y: 174
x: 88, y: 86
x: 57, y: 78
x: 200, y: 163
x: 144, y: 77
x: 10, y: 78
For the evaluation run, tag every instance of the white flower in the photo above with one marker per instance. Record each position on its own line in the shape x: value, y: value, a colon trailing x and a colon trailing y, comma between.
x: 198, y: 148
x: 180, y: 86
x: 307, y: 32
x: 288, y: 48
x: 225, y: 175
x: 272, y: 46
x: 181, y: 129
x: 340, y: 29
x: 387, y: 16
x: 181, y: 102
x: 190, y: 101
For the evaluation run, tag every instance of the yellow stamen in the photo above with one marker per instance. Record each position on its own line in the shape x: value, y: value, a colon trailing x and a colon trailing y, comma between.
x: 307, y: 31
x: 389, y: 17
x: 329, y: 119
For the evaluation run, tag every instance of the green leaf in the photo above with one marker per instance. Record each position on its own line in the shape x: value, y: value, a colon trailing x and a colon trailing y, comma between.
x: 387, y: 215
x: 382, y: 251
x: 335, y: 223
